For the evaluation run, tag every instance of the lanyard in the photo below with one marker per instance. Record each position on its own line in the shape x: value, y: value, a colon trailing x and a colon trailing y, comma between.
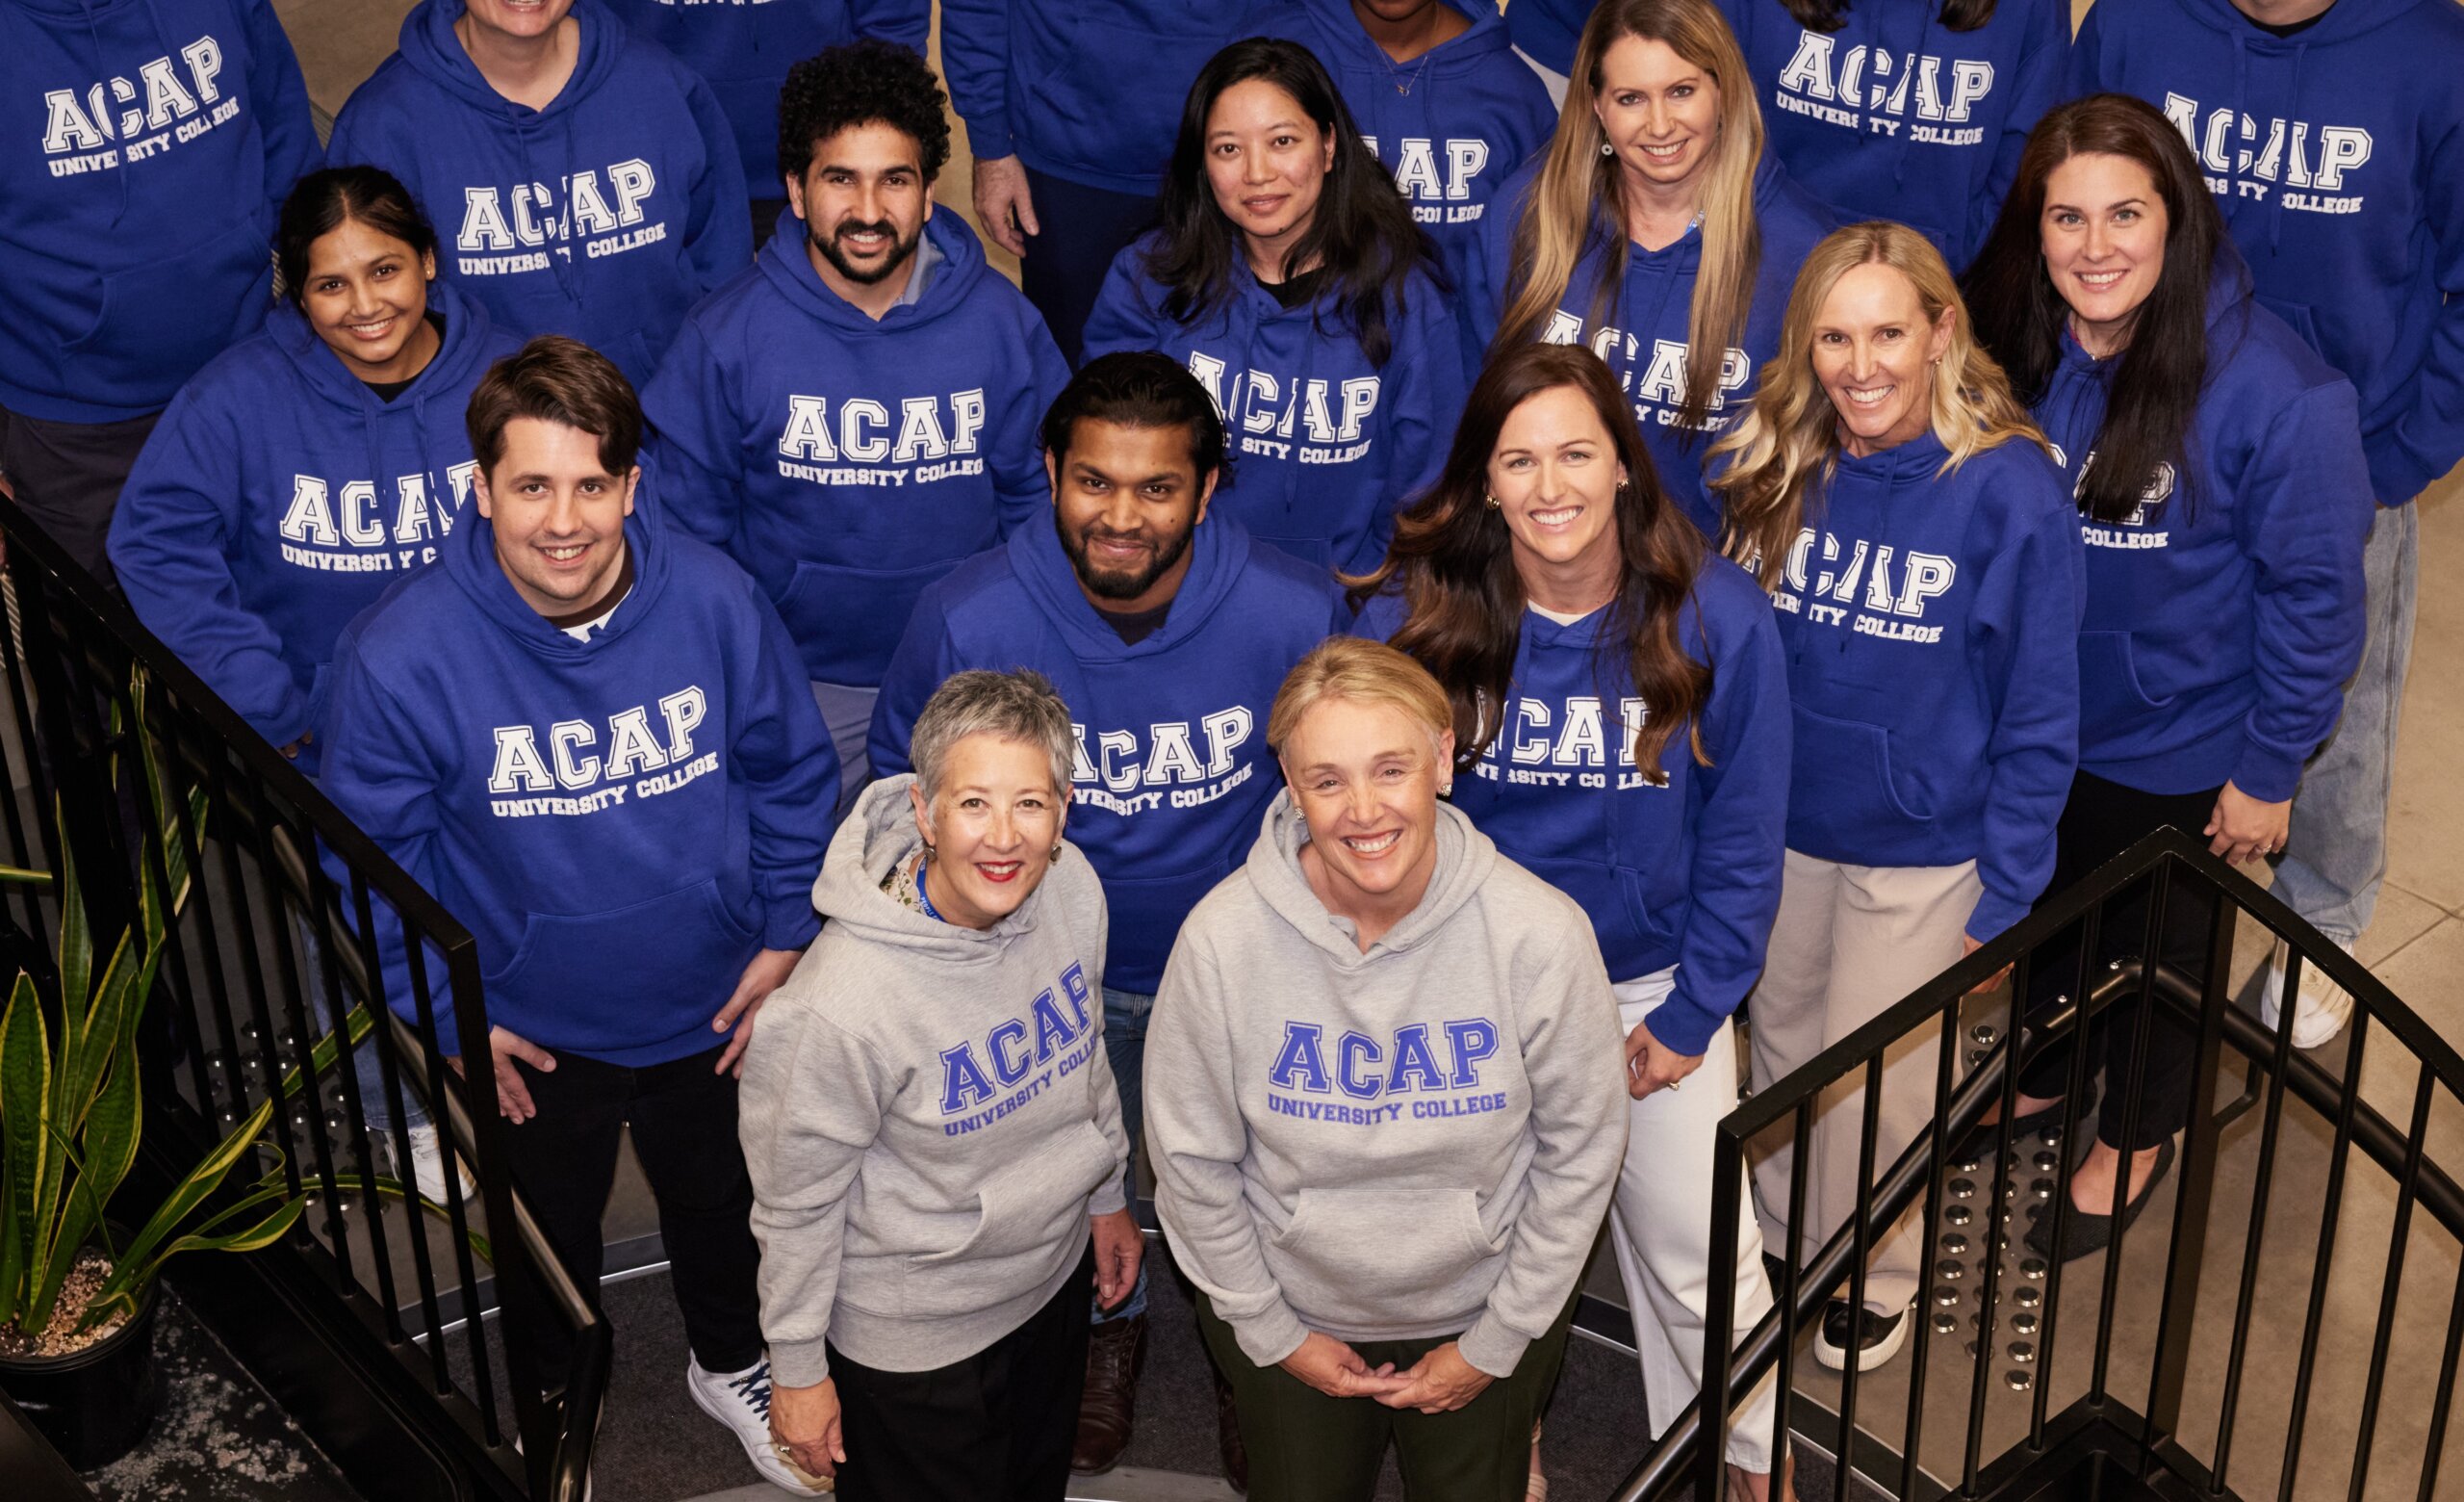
x: 924, y: 899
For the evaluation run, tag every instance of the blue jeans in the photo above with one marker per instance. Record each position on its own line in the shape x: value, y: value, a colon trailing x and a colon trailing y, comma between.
x: 1125, y: 1049
x: 2336, y: 853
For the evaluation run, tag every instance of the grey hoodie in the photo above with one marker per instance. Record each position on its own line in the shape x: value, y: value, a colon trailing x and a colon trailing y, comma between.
x: 1412, y: 1142
x: 926, y: 1113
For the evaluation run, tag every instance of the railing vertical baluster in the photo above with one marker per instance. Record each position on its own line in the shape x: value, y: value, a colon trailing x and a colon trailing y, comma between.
x: 2057, y: 1209
x: 1719, y: 1314
x: 1945, y: 1076
x: 2330, y: 1216
x: 321, y: 902
x: 457, y: 1212
x: 1791, y: 1270
x: 1989, y: 1284
x: 276, y: 936
x: 1861, y: 1238
x: 2399, y: 1241
x: 431, y: 1317
x: 2442, y: 1404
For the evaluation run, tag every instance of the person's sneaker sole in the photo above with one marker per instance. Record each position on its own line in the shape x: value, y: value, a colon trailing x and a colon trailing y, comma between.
x: 1836, y: 1358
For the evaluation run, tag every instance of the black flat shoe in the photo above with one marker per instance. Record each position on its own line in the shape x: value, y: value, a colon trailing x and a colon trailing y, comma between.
x: 2083, y: 1233
x: 1987, y: 1139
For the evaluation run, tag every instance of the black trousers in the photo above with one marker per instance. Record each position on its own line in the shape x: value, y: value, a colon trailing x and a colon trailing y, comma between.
x: 996, y: 1427
x: 1064, y: 266
x: 68, y: 477
x: 683, y: 1120
x: 2101, y: 820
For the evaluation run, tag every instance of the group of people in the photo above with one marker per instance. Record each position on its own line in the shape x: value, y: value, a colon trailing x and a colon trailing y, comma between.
x: 1482, y: 552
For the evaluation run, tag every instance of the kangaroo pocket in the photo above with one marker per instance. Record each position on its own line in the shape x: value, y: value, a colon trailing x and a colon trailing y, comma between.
x: 1844, y: 792
x: 132, y: 341
x: 847, y: 621
x: 2297, y: 314
x: 2113, y: 699
x: 673, y: 959
x: 1368, y: 1259
x: 1028, y: 1218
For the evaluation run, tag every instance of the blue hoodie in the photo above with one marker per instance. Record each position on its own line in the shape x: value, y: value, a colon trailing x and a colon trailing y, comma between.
x: 2219, y: 632
x: 278, y: 498
x: 604, y: 215
x: 1685, y: 872
x: 1172, y: 766
x: 1325, y: 447
x: 1547, y: 31
x: 1894, y: 117
x: 1644, y: 337
x: 1932, y: 627
x: 120, y: 278
x: 848, y: 463
x: 2337, y: 156
x: 743, y: 52
x: 1087, y: 90
x: 621, y: 823
x: 1451, y: 125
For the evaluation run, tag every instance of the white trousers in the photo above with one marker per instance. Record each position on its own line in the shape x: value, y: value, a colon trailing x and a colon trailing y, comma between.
x: 1659, y: 1225
x: 1850, y: 943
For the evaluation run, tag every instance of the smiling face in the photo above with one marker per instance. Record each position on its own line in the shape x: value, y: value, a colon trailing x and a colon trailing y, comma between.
x: 1366, y: 776
x: 991, y: 825
x: 1556, y: 477
x: 1662, y: 113
x: 524, y: 19
x: 2104, y: 227
x: 366, y: 296
x: 1874, y: 354
x: 558, y: 514
x: 1126, y: 501
x: 1267, y: 163
x: 863, y: 200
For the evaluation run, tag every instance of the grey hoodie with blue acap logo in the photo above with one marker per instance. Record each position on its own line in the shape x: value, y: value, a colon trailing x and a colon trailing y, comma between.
x: 1413, y: 1142
x: 926, y: 1113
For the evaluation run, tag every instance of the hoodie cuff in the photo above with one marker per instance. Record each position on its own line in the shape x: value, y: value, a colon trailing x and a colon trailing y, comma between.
x: 2266, y: 773
x: 987, y: 137
x: 2395, y: 475
x: 1683, y: 1023
x: 1993, y: 914
x: 790, y: 924
x: 292, y: 719
x: 1270, y: 1335
x: 1111, y: 1197
x: 799, y: 1363
x: 1491, y: 1346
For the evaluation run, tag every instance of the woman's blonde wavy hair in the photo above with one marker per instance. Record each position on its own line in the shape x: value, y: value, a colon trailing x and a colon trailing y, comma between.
x: 1579, y: 194
x: 1789, y: 439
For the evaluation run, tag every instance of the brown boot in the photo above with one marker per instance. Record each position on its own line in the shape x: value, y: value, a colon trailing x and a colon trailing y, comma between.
x: 1227, y: 1438
x: 1115, y: 1354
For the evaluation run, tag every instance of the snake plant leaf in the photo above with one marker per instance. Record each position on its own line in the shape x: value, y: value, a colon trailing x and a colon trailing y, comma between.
x: 76, y: 940
x: 110, y: 1136
x: 202, y: 1181
x: 119, y: 1294
x: 320, y: 1057
x: 25, y: 1130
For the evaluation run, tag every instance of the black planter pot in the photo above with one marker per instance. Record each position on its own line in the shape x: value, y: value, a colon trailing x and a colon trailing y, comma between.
x: 96, y: 1404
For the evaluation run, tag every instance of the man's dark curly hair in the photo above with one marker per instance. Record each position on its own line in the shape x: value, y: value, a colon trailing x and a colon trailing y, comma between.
x: 861, y: 83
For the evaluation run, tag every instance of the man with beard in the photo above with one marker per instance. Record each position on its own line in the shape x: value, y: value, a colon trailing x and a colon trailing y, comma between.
x: 1168, y: 639
x: 855, y: 414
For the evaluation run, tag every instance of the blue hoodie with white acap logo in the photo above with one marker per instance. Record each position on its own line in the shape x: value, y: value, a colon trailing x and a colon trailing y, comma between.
x: 278, y: 497
x: 604, y: 215
x: 847, y: 463
x: 1172, y: 766
x: 2337, y: 158
x: 156, y: 140
x: 622, y: 823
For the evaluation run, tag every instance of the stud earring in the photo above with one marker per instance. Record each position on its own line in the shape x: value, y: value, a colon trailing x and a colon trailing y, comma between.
x: 929, y: 853
x: 1056, y: 852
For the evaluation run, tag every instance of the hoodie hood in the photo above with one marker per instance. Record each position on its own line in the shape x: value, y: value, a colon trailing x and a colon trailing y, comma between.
x: 1218, y: 550
x: 879, y: 835
x: 428, y: 44
x: 787, y: 265
x: 1465, y: 859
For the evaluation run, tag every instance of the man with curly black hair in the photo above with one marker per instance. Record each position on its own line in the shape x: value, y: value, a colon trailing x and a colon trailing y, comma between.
x: 855, y: 414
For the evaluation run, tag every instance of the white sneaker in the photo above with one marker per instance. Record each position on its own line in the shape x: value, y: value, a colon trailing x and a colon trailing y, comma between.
x: 427, y: 1166
x: 2318, y: 1013
x: 741, y: 1401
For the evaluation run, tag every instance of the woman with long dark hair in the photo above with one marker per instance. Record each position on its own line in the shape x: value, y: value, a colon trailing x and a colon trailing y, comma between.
x: 2225, y: 498
x: 1621, y: 728
x: 1287, y: 276
x: 1906, y: 109
x: 1914, y: 535
x: 1654, y: 230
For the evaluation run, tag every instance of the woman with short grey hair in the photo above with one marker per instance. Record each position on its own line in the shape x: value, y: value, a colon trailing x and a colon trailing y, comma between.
x: 932, y: 1124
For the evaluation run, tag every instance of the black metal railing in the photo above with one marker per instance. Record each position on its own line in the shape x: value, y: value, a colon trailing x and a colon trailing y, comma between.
x: 2116, y: 984
x: 269, y: 953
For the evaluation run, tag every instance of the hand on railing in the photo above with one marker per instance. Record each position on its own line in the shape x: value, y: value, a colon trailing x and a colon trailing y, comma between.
x: 804, y: 1423
x: 2244, y: 828
x: 1438, y: 1383
x: 1337, y: 1371
x: 1652, y: 1064
x: 513, y: 1096
x: 768, y: 971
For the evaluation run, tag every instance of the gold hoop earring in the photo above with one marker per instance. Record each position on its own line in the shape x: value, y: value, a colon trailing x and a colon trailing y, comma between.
x: 1492, y: 500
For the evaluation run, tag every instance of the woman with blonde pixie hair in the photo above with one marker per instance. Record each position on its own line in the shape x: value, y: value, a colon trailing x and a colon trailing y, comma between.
x: 1919, y: 545
x: 1654, y: 231
x: 1385, y: 1108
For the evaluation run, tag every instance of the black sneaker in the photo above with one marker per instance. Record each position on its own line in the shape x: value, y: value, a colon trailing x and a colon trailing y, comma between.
x: 1876, y: 1337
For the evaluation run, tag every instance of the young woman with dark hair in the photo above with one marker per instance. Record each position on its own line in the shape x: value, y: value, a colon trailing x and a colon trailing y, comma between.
x: 1289, y: 277
x: 1907, y: 110
x: 1654, y: 230
x: 1914, y: 535
x: 2225, y: 498
x: 1621, y: 725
